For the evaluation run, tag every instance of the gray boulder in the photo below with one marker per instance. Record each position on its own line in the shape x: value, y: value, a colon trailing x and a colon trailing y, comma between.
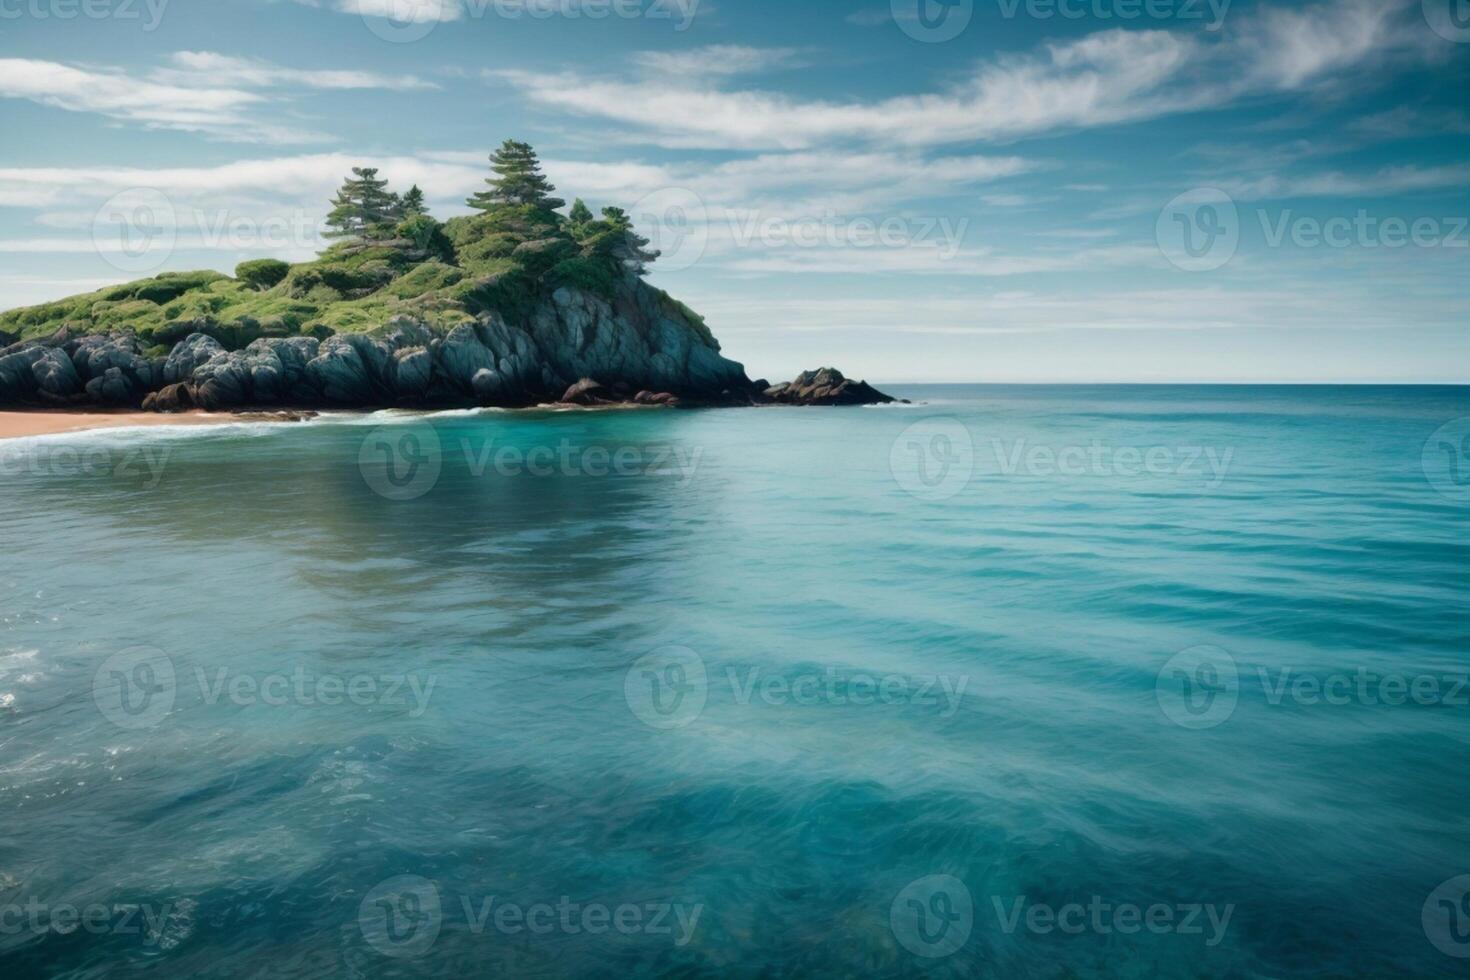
x: 339, y: 374
x: 413, y: 372
x: 113, y: 387
x: 17, y: 379
x: 55, y: 374
x: 188, y: 354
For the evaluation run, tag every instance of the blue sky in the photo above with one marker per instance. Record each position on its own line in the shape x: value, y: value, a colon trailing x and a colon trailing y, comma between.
x: 989, y: 190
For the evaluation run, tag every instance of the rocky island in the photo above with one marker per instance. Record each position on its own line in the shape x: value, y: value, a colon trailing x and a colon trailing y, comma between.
x: 515, y: 305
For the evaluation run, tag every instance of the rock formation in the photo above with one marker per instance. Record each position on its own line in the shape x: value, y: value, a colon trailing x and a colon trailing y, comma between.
x: 826, y: 386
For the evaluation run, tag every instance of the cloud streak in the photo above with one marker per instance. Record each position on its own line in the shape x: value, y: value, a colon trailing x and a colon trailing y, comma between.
x: 217, y: 96
x: 1106, y: 78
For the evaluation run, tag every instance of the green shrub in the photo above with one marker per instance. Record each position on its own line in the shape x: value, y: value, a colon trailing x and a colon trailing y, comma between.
x: 263, y: 274
x: 592, y: 275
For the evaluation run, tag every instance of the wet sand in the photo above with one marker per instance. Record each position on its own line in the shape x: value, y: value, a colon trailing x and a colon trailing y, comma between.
x: 14, y: 425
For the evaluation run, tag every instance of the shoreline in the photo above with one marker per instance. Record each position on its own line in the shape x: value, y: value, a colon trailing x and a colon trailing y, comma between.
x: 25, y: 424
x: 50, y: 422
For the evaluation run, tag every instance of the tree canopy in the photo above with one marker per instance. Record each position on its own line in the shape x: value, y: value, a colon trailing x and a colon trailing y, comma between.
x: 518, y: 181
x: 516, y: 228
x: 413, y: 203
x: 363, y: 207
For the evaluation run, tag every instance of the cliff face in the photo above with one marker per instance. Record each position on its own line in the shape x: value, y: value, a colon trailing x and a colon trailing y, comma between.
x: 635, y: 340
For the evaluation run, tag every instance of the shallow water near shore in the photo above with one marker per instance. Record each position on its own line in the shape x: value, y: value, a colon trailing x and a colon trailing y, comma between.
x: 796, y: 692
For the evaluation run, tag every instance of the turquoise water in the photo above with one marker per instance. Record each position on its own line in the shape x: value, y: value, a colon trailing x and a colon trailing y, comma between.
x: 794, y: 693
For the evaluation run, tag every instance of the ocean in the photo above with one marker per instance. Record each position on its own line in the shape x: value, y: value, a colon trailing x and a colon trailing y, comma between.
x: 1053, y: 681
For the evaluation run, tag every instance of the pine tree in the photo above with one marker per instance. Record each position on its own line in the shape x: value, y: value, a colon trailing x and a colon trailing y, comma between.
x: 579, y: 220
x: 363, y: 208
x: 614, y: 237
x: 413, y: 203
x: 519, y: 181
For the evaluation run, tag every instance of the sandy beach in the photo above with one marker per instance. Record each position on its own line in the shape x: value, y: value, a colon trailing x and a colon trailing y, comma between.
x: 14, y: 425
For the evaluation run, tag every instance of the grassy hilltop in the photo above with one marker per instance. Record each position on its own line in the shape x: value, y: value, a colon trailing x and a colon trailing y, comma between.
x: 391, y: 258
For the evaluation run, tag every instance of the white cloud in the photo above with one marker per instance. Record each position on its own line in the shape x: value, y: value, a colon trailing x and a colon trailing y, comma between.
x: 404, y: 11
x: 1106, y: 78
x: 1387, y: 181
x: 208, y: 68
x: 200, y: 92
x: 716, y: 59
x: 116, y: 95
